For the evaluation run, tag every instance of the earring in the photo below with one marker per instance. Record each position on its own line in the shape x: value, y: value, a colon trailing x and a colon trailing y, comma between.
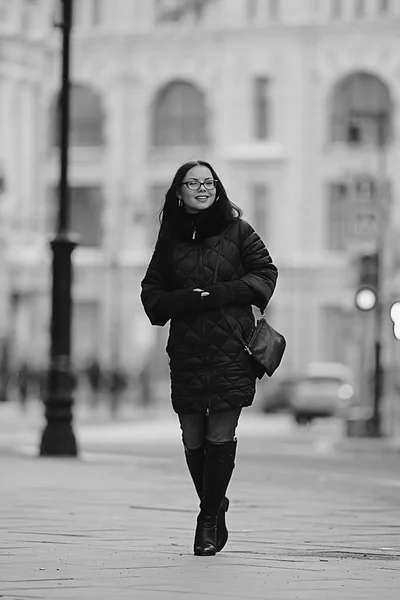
x: 216, y: 199
x: 180, y: 203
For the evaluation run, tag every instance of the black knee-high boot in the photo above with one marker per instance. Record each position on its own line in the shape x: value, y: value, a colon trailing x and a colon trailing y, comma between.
x: 218, y: 468
x: 195, y: 460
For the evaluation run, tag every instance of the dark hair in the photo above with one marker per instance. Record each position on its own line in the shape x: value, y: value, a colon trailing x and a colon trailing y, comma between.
x: 169, y: 213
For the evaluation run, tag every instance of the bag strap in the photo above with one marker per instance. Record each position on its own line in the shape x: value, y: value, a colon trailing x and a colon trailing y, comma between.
x: 235, y: 333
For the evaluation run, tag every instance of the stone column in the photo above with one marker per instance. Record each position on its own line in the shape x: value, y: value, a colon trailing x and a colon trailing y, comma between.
x: 8, y: 196
x: 115, y: 213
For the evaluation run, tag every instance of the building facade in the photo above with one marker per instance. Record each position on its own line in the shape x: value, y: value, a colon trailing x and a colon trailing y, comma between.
x: 295, y: 102
x: 24, y: 32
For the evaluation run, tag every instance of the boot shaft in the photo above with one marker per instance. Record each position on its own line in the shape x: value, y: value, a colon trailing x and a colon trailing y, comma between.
x: 218, y: 468
x: 195, y: 460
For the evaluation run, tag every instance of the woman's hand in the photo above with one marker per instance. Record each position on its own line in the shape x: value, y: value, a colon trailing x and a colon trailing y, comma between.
x: 232, y: 292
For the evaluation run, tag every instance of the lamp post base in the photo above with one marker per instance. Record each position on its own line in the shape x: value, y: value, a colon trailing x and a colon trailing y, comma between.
x: 362, y: 426
x: 58, y: 439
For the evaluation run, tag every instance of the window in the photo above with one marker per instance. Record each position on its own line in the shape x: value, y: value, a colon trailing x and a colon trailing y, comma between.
x: 98, y: 9
x: 365, y: 188
x: 384, y: 7
x: 86, y: 117
x: 2, y: 180
x: 337, y: 216
x: 337, y: 334
x: 273, y: 9
x: 178, y: 10
x: 361, y: 112
x: 359, y: 9
x: 78, y: 14
x: 180, y: 116
x: 8, y: 13
x: 86, y: 212
x: 261, y: 108
x: 85, y: 330
x: 252, y: 10
x: 86, y: 206
x: 28, y: 14
x: 336, y: 9
x: 259, y: 195
x: 169, y: 10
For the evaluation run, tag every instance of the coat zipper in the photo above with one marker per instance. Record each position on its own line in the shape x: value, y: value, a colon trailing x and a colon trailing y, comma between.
x: 209, y: 399
x: 201, y: 262
x: 200, y: 279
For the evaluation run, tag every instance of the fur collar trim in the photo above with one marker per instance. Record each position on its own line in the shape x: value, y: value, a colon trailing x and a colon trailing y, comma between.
x: 202, y: 225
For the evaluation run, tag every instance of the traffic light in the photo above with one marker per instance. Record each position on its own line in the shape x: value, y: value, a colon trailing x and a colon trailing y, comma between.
x: 366, y: 297
x: 395, y: 316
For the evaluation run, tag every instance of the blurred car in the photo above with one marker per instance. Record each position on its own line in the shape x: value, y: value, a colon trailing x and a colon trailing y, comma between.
x: 326, y: 389
x: 276, y: 396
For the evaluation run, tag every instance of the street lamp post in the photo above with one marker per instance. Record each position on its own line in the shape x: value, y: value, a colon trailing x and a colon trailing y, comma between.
x: 376, y: 419
x: 58, y: 438
x: 4, y: 366
x: 371, y: 291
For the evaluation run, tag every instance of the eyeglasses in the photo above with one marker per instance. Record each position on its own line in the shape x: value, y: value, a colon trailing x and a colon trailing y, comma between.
x: 195, y: 184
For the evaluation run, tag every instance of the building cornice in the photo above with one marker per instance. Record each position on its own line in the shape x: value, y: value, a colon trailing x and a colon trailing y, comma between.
x: 255, y: 152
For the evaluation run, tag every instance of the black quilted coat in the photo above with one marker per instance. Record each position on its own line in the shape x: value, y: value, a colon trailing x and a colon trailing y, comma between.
x: 210, y: 370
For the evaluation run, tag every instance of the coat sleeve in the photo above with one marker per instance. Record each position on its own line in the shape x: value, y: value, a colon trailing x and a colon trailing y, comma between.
x: 161, y: 305
x: 257, y: 285
x: 260, y: 272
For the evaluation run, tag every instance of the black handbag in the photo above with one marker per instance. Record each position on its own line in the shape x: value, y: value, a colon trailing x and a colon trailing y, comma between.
x: 265, y: 345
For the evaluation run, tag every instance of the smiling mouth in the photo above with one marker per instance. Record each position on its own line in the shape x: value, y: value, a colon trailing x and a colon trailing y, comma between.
x: 202, y: 197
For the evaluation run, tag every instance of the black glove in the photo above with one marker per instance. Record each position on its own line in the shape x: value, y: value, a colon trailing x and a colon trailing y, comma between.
x: 179, y: 302
x: 232, y: 292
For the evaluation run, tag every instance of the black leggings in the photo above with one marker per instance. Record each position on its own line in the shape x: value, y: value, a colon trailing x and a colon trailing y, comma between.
x: 217, y: 428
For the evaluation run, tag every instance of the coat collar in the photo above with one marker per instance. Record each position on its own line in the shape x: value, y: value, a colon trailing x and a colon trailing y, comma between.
x: 205, y: 224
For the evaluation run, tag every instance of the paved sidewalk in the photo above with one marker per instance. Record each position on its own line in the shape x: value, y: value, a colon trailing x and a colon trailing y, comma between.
x: 21, y: 430
x: 119, y: 526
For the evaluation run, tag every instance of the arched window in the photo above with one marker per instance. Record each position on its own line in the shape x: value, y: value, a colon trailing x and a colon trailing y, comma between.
x: 361, y: 111
x: 179, y: 117
x: 86, y: 118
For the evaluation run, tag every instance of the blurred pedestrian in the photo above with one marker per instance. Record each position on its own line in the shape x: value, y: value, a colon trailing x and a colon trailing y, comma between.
x: 207, y: 258
x: 5, y: 374
x: 23, y: 384
x: 36, y: 381
x: 117, y: 384
x: 143, y: 381
x: 94, y: 376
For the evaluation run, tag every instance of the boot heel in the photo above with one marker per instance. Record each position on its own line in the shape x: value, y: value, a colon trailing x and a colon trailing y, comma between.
x: 222, y: 531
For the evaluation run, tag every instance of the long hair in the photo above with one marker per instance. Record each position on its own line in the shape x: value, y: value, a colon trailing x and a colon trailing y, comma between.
x: 169, y: 213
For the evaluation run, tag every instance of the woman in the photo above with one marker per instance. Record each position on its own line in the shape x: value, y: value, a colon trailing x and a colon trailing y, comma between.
x: 212, y: 377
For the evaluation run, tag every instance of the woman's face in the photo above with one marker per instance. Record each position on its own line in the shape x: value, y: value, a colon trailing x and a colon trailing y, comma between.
x: 196, y: 200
